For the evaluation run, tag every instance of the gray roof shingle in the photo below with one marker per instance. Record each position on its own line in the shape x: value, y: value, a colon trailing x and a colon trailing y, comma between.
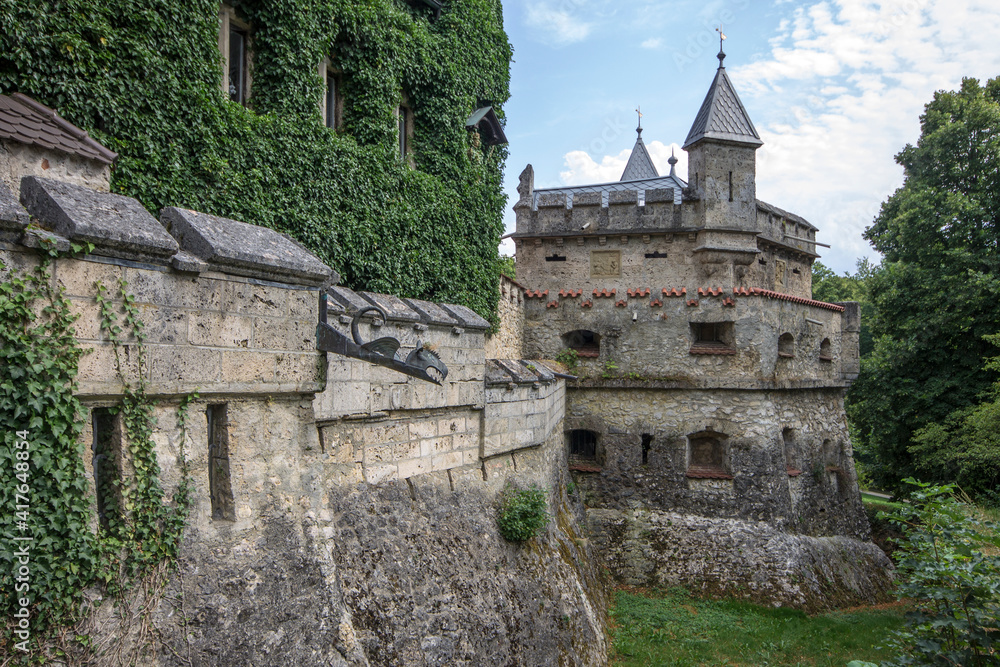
x: 722, y: 116
x: 640, y: 165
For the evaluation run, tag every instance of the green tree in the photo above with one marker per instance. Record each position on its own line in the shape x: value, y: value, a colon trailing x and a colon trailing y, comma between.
x: 828, y: 286
x: 934, y: 295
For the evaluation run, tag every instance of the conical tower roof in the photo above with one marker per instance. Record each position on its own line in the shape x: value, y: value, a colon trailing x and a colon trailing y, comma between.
x: 722, y: 115
x: 640, y: 165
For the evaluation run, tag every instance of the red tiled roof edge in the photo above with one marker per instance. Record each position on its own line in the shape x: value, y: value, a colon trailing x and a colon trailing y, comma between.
x: 756, y: 291
x: 104, y: 154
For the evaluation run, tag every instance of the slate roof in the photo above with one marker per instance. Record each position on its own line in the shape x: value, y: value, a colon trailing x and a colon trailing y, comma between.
x: 26, y: 121
x: 656, y: 183
x: 640, y: 165
x: 722, y: 116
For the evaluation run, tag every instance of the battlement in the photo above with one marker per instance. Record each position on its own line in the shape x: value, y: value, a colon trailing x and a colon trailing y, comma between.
x: 593, y: 213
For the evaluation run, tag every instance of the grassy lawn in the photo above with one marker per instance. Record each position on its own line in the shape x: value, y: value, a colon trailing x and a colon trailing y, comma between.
x: 672, y: 628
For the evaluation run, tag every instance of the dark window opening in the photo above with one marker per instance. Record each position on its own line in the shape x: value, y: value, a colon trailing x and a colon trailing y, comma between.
x: 712, y: 338
x: 656, y: 255
x: 582, y: 445
x: 825, y: 350
x: 106, y: 447
x: 730, y: 186
x: 403, y: 119
x: 707, y: 457
x: 586, y: 343
x: 237, y: 64
x: 330, y: 100
x: 786, y: 346
x: 555, y: 258
x: 792, y: 464
x: 647, y: 441
x: 219, y: 483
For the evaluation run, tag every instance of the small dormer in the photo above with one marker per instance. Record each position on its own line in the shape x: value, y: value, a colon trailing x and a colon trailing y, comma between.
x: 36, y: 141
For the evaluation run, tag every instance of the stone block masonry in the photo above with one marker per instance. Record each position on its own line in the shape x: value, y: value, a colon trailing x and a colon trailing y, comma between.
x: 343, y: 514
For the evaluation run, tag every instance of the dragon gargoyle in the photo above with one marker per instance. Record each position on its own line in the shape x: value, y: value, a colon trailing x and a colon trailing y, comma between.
x: 420, y: 363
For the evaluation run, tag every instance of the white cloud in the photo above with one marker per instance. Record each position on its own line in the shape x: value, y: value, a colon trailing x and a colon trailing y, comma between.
x: 652, y: 43
x: 582, y: 169
x: 556, y: 25
x: 841, y: 92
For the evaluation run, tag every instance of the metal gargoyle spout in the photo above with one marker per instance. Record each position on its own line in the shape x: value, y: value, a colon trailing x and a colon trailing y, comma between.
x: 420, y: 363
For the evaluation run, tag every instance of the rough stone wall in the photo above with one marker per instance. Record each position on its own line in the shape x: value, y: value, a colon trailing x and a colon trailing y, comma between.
x: 751, y: 560
x: 819, y: 497
x: 508, y: 341
x: 364, y: 503
x: 654, y: 342
x: 18, y: 160
x: 711, y: 168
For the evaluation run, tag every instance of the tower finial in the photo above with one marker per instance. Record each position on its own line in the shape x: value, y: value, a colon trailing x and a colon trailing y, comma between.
x: 639, y: 128
x: 722, y: 52
x: 672, y: 162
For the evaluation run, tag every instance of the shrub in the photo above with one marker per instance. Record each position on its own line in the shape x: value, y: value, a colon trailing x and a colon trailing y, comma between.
x: 522, y: 513
x: 569, y: 358
x: 955, y: 587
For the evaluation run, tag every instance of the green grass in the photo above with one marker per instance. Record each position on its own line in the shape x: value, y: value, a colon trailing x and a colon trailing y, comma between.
x: 672, y: 628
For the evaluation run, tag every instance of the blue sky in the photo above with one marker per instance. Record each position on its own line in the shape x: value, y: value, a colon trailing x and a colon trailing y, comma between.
x: 835, y: 89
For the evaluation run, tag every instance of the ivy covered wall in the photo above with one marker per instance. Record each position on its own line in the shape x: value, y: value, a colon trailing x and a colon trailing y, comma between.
x: 143, y: 77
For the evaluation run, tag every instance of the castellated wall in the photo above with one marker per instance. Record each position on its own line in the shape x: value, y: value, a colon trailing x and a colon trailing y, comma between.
x: 655, y: 239
x: 342, y: 514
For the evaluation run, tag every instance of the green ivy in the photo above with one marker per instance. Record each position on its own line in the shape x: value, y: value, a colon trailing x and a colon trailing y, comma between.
x: 143, y: 531
x: 143, y: 77
x: 43, y: 484
x: 38, y: 365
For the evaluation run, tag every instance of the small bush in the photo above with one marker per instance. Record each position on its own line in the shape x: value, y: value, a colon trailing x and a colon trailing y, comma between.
x: 522, y: 513
x: 953, y: 584
x: 569, y: 358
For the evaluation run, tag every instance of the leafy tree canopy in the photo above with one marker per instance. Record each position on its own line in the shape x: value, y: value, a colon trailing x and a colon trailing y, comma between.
x: 934, y: 296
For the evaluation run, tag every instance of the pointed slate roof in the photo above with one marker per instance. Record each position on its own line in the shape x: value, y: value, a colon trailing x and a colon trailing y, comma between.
x: 722, y: 115
x: 640, y: 165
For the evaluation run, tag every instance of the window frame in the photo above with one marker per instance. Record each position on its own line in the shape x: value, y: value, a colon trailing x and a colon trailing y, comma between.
x: 229, y: 22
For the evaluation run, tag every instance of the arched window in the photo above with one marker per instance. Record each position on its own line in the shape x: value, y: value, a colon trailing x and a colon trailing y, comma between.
x: 708, y: 457
x: 825, y: 350
x: 786, y: 346
x: 586, y: 343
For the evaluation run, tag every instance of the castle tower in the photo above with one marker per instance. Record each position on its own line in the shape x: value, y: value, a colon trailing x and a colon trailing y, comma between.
x: 722, y: 147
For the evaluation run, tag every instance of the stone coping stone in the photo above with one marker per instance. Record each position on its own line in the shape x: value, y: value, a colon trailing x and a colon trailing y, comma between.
x: 347, y: 298
x: 117, y: 226
x: 468, y: 317
x: 13, y: 217
x: 496, y: 374
x: 432, y: 313
x: 244, y: 249
x: 393, y: 306
x: 519, y: 371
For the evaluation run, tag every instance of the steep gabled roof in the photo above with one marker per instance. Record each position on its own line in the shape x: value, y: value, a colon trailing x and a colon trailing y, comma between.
x: 26, y: 121
x: 722, y: 116
x: 640, y: 165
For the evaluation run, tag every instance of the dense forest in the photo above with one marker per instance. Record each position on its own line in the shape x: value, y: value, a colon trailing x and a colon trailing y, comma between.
x: 927, y: 402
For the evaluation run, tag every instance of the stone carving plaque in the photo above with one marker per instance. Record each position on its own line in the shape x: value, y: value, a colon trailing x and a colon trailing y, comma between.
x: 605, y: 263
x: 779, y: 275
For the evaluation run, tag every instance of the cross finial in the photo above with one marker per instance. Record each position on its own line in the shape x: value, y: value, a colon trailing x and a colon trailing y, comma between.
x: 722, y: 38
x: 639, y: 128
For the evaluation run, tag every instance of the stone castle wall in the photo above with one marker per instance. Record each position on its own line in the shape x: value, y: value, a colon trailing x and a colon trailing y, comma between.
x: 508, y: 340
x: 360, y: 526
